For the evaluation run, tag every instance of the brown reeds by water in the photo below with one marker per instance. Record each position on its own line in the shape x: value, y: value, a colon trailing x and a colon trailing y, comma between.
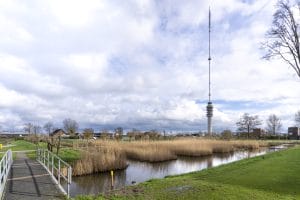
x: 105, y: 155
x: 99, y: 160
x: 154, y: 151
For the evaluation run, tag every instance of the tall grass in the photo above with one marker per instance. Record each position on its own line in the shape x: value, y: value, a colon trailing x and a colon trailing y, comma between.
x: 155, y: 151
x: 152, y: 152
x: 105, y: 155
x: 99, y: 160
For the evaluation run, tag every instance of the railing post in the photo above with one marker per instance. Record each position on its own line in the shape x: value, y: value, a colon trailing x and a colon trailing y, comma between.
x: 37, y: 154
x: 5, y: 164
x: 44, y: 156
x: 69, y: 181
x: 48, y: 159
x: 52, y: 163
x: 58, y: 176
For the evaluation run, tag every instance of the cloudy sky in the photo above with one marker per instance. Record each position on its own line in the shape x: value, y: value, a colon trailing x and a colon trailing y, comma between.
x: 139, y: 64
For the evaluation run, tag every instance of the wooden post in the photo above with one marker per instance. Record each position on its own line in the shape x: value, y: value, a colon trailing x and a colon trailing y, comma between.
x: 112, y: 179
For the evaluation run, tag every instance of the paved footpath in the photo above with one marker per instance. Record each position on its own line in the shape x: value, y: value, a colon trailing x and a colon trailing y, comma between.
x: 28, y: 180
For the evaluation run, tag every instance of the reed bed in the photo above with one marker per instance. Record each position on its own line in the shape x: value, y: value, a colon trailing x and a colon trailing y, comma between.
x: 151, y: 153
x: 99, y: 160
x: 156, y: 151
x: 105, y: 155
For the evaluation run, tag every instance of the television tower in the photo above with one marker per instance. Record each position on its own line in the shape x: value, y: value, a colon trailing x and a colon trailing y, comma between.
x: 209, y: 107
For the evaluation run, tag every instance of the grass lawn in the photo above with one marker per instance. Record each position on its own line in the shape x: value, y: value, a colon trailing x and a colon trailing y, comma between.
x: 66, y: 154
x: 69, y: 155
x: 272, y: 176
x: 20, y: 145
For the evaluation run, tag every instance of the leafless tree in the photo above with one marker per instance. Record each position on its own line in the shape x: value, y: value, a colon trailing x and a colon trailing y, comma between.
x: 104, y: 134
x: 248, y: 123
x: 273, y: 124
x: 297, y: 118
x: 226, y: 134
x: 48, y: 127
x: 282, y: 39
x: 70, y: 126
x: 28, y: 127
x: 36, y: 129
x: 88, y: 133
x: 118, y: 133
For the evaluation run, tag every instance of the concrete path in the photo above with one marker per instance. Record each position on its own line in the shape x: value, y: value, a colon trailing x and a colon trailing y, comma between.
x: 28, y: 180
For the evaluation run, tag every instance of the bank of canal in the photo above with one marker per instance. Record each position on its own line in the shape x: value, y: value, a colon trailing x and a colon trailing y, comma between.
x: 138, y: 172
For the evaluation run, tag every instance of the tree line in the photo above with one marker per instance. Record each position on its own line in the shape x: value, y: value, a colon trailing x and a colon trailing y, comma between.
x: 249, y: 122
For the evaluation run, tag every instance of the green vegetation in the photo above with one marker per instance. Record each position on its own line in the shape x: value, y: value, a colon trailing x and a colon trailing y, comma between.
x: 20, y: 145
x: 69, y: 155
x: 272, y: 176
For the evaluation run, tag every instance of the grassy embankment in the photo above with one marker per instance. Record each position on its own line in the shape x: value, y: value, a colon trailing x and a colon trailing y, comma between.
x: 272, y: 176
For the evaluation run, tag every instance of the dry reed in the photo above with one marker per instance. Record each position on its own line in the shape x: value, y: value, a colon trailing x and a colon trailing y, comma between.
x: 99, y: 160
x: 100, y: 155
x: 155, y: 151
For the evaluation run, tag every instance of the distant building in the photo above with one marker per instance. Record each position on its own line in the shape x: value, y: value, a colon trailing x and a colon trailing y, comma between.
x: 58, y: 132
x: 294, y: 133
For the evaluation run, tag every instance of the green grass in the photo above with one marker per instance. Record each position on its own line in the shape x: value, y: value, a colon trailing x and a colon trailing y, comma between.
x: 20, y: 145
x: 272, y: 176
x: 69, y: 155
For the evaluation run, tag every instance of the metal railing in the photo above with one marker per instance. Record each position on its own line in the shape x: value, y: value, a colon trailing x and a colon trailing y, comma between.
x: 5, y: 165
x: 60, y: 171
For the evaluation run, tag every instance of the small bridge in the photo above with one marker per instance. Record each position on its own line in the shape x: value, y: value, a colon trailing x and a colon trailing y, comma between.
x: 45, y: 178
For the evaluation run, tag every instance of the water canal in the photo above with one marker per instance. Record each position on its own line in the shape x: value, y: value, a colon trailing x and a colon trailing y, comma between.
x: 138, y: 172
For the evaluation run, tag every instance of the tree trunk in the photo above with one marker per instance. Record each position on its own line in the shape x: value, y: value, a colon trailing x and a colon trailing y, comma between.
x: 248, y: 132
x: 58, y: 145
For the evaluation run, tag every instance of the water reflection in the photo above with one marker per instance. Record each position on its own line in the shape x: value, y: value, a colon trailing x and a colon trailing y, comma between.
x: 142, y: 171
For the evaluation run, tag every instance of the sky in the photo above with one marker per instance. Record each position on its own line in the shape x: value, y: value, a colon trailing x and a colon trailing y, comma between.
x: 139, y: 64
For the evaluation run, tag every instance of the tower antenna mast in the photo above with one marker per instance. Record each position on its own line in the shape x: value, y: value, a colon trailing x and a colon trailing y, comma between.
x: 209, y: 56
x: 209, y: 107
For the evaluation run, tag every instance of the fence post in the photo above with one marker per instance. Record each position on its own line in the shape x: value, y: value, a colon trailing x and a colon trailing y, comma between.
x: 48, y: 159
x: 58, y: 176
x: 69, y: 181
x: 52, y: 163
x: 44, y: 156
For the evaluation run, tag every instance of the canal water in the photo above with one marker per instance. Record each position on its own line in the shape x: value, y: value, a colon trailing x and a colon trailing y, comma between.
x: 138, y: 172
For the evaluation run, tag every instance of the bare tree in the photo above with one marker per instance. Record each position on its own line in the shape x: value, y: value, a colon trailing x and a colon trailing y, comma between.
x: 282, y: 39
x: 118, y: 133
x: 70, y: 126
x: 48, y: 127
x: 226, y: 134
x: 248, y: 123
x: 273, y: 124
x: 28, y: 127
x: 36, y: 129
x: 104, y: 134
x: 297, y: 118
x: 88, y: 133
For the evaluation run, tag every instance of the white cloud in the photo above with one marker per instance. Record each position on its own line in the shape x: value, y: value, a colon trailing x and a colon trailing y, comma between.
x: 138, y: 64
